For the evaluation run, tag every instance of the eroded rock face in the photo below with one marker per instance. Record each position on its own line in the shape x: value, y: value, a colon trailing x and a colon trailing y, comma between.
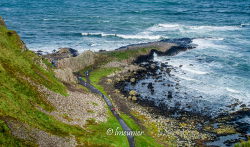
x: 60, y: 54
x: 77, y: 63
x: 65, y: 75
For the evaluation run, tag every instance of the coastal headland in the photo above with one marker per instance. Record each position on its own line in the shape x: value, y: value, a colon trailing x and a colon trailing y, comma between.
x: 42, y: 102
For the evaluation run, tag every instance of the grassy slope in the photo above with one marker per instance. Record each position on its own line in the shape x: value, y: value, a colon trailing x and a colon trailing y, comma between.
x: 18, y: 98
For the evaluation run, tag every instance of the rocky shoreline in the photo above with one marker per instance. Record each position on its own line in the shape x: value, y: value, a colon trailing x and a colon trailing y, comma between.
x: 219, y: 131
x: 169, y: 126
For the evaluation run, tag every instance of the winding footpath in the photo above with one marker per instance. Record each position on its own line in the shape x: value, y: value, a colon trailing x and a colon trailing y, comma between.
x: 110, y: 105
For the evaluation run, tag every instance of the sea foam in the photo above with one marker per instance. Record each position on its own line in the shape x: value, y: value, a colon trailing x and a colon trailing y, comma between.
x: 137, y: 36
x: 180, y: 27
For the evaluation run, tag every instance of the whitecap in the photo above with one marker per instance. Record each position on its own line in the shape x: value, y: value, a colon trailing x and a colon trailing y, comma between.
x: 232, y: 90
x: 164, y: 27
x: 138, y: 36
x: 190, y: 28
x: 245, y: 24
x: 214, y: 28
x: 195, y: 71
x: 97, y: 34
x: 150, y: 37
x: 184, y: 77
x: 207, y: 43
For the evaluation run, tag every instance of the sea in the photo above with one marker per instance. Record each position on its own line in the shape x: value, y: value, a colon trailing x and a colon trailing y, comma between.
x: 218, y: 68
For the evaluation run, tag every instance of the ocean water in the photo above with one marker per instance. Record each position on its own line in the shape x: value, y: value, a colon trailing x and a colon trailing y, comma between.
x: 218, y: 69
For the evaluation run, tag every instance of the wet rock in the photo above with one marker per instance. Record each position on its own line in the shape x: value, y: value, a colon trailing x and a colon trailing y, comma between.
x: 170, y: 95
x: 153, y: 66
x: 243, y: 105
x: 150, y: 86
x: 102, y: 50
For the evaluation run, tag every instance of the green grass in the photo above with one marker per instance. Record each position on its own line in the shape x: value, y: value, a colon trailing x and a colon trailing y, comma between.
x: 141, y: 141
x: 243, y: 144
x: 97, y: 74
x: 97, y: 134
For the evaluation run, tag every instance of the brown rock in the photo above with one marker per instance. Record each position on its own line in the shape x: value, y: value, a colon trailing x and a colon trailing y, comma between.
x: 132, y: 80
x: 2, y: 23
x: 65, y: 75
x: 109, y: 81
x: 134, y: 98
x: 132, y: 92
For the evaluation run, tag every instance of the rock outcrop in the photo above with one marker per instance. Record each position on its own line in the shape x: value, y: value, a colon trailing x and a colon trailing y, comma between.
x: 77, y: 63
x: 60, y: 54
x: 65, y: 75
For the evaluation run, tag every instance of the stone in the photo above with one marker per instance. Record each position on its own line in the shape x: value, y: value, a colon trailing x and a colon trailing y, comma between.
x: 65, y: 75
x: 117, y: 91
x: 132, y: 80
x: 132, y: 92
x: 109, y: 81
x: 134, y: 98
x: 118, y: 79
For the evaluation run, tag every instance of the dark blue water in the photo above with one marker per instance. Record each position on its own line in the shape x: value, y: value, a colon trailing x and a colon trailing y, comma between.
x: 218, y: 69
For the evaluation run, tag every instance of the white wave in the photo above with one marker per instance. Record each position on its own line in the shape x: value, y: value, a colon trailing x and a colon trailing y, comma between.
x: 138, y: 36
x: 207, y: 43
x: 151, y: 37
x: 215, y: 38
x: 214, y: 28
x: 195, y: 71
x: 97, y: 34
x: 48, y: 19
x: 184, y: 77
x: 164, y: 27
x: 244, y: 24
x: 232, y: 90
x: 180, y: 27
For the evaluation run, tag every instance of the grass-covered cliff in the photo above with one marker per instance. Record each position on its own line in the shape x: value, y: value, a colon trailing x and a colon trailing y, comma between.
x: 19, y: 73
